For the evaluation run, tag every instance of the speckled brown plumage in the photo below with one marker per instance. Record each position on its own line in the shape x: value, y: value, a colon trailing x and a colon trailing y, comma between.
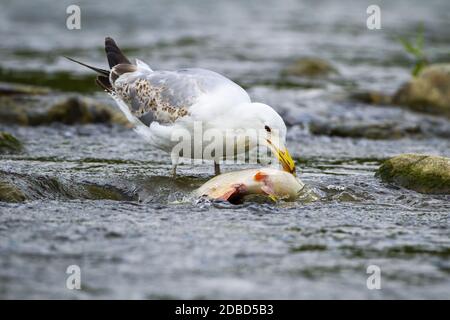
x: 143, y: 97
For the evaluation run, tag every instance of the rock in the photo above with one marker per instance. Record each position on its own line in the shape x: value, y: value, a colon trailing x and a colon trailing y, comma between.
x: 429, y: 92
x: 77, y: 110
x: 13, y: 110
x: 375, y: 131
x: 97, y: 192
x: 309, y: 67
x: 8, y: 143
x: 422, y: 173
x: 24, y: 110
x: 10, y: 193
x: 371, y: 97
x: 15, y: 187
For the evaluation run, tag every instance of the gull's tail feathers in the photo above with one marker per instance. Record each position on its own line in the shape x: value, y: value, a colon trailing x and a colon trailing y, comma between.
x: 119, y: 65
x: 114, y: 54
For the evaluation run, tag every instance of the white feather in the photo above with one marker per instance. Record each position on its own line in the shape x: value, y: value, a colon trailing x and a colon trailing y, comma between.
x: 142, y: 65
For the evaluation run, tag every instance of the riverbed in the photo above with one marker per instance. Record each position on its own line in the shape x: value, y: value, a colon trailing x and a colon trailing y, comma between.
x: 99, y: 197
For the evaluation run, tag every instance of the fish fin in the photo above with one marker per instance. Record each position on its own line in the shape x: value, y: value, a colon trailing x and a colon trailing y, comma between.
x: 233, y: 193
x: 228, y: 194
x: 268, y: 190
x: 259, y: 176
x: 267, y: 187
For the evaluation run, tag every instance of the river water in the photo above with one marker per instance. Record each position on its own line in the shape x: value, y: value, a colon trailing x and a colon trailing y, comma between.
x: 141, y: 240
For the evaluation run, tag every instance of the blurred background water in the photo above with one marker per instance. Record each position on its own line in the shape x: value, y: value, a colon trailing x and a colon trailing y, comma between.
x: 98, y: 197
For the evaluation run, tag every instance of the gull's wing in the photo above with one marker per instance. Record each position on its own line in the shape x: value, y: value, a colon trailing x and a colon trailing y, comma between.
x: 166, y: 96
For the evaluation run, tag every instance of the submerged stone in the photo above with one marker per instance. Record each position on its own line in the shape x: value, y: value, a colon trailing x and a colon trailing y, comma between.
x: 422, y: 173
x: 15, y: 187
x: 10, y: 193
x: 40, y: 110
x: 371, y: 97
x: 375, y: 131
x: 15, y: 110
x: 309, y: 67
x: 97, y: 192
x: 9, y: 143
x: 77, y: 110
x: 429, y: 92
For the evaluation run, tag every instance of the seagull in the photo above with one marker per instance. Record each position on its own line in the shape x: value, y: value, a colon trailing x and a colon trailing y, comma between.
x: 160, y: 104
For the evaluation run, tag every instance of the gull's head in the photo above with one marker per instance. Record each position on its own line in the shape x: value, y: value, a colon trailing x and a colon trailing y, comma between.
x: 271, y: 131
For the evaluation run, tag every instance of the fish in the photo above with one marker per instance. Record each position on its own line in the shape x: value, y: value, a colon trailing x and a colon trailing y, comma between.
x: 236, y: 185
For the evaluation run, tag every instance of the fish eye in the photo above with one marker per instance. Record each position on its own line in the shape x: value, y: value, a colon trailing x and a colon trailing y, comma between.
x: 267, y: 128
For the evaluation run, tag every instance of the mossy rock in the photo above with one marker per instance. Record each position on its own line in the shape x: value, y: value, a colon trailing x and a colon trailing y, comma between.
x: 15, y: 109
x: 25, y: 110
x: 97, y: 192
x: 371, y: 97
x: 9, y: 144
x: 422, y: 173
x: 15, y: 187
x: 76, y: 110
x: 429, y: 92
x: 10, y: 193
x: 309, y: 67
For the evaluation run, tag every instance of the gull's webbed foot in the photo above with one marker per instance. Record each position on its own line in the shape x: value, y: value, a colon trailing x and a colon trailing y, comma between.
x: 216, y: 168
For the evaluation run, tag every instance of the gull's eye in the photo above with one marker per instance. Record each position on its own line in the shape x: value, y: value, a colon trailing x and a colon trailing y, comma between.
x: 267, y: 129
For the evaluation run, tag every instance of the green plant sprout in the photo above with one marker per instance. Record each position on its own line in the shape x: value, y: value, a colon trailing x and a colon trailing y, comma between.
x: 415, y: 48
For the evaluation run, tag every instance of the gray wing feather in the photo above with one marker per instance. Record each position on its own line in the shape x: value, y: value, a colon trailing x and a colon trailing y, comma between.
x: 168, y: 95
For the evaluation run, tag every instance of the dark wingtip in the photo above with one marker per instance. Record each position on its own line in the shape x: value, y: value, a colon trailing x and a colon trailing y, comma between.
x: 114, y: 54
x: 71, y: 59
x: 109, y: 41
x: 98, y: 70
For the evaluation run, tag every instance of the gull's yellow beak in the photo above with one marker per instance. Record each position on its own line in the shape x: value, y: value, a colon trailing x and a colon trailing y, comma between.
x: 283, y: 156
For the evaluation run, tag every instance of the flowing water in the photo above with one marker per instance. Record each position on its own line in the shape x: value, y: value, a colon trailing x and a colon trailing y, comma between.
x: 100, y: 198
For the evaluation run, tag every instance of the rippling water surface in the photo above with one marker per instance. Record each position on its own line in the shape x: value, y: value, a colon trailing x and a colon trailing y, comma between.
x: 143, y: 240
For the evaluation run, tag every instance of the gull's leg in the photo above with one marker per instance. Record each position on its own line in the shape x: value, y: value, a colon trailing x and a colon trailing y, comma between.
x: 174, y: 171
x: 216, y: 168
x: 174, y: 165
